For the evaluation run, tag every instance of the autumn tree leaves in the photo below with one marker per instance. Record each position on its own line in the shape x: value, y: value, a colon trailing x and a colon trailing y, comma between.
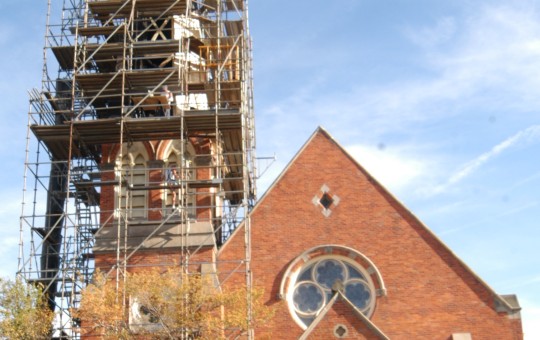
x: 24, y: 313
x: 167, y: 305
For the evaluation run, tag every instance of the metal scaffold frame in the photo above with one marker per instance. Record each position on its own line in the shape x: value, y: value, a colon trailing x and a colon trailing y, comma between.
x: 145, y: 125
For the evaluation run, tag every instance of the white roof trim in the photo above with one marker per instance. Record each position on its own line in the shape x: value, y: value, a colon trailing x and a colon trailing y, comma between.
x: 305, y: 257
x: 329, y: 305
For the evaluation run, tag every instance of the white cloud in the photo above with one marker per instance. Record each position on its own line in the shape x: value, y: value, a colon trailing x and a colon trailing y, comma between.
x: 491, y: 64
x: 397, y: 169
x: 530, y: 316
x: 498, y: 48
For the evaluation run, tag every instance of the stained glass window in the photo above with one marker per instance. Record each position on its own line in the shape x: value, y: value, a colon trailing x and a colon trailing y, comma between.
x: 308, y: 297
x: 317, y: 281
x: 358, y: 292
x: 327, y: 272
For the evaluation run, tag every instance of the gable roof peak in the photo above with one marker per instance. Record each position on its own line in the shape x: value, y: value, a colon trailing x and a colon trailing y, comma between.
x: 339, y: 296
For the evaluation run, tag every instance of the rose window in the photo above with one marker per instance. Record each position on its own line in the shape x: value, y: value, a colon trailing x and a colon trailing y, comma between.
x: 319, y: 279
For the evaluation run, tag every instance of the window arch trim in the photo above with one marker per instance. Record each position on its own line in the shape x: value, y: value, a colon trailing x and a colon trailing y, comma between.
x: 330, y: 249
x: 134, y: 160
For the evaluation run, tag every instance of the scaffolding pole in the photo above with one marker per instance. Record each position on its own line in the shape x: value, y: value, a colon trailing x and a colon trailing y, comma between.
x: 141, y: 87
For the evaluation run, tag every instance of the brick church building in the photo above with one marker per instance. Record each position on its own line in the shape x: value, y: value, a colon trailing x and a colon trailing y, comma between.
x: 145, y: 157
x: 340, y: 257
x: 336, y: 254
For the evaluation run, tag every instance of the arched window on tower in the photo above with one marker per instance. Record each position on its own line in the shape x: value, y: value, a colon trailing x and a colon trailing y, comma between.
x: 180, y: 193
x: 133, y: 196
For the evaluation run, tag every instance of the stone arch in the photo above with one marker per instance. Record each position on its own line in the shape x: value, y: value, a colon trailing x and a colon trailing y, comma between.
x: 333, y: 249
x: 314, y: 277
x: 144, y: 148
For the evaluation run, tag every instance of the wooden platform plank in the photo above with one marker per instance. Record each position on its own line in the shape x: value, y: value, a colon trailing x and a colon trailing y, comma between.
x: 93, y: 133
x: 147, y: 7
x: 64, y: 55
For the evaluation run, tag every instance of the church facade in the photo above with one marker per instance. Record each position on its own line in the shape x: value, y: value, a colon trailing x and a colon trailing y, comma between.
x: 339, y: 257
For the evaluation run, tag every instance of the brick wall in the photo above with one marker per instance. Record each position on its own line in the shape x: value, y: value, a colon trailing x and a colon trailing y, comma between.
x: 431, y: 294
x: 341, y: 316
x: 145, y: 259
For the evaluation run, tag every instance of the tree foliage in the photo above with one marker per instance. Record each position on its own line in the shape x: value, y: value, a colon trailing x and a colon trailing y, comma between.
x: 171, y: 305
x: 24, y: 313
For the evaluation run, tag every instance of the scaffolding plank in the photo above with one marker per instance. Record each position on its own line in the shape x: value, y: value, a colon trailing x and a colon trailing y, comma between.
x: 145, y: 235
x: 147, y: 78
x: 102, y: 8
x: 231, y: 92
x: 105, y: 131
x: 139, y: 78
x: 94, y: 82
x: 94, y: 31
x: 65, y: 56
x: 194, y: 184
x: 233, y: 27
x: 234, y: 190
x: 229, y: 5
x: 140, y: 48
x: 232, y: 149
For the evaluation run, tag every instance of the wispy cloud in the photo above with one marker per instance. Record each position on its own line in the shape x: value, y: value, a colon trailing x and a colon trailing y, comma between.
x: 489, y: 65
x: 431, y: 36
x: 483, y: 221
x: 525, y: 136
x: 525, y: 181
x: 492, y: 62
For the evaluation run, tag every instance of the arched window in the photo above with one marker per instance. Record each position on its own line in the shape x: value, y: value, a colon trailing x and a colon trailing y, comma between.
x: 181, y: 190
x: 320, y: 278
x: 312, y: 279
x: 133, y: 202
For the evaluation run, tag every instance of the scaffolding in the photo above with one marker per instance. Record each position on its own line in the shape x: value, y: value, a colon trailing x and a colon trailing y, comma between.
x: 143, y: 127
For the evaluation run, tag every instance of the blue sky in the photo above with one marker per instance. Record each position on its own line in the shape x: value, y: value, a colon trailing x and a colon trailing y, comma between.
x: 438, y: 100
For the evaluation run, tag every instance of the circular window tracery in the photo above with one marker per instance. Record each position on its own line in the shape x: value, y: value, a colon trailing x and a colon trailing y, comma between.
x: 359, y: 293
x: 316, y: 282
x: 327, y: 272
x: 308, y: 298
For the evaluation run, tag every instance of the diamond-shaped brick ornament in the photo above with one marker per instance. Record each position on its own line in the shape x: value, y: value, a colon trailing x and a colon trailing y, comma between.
x: 325, y: 200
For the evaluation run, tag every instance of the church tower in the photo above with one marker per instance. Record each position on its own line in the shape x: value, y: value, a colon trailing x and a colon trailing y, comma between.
x: 141, y: 144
